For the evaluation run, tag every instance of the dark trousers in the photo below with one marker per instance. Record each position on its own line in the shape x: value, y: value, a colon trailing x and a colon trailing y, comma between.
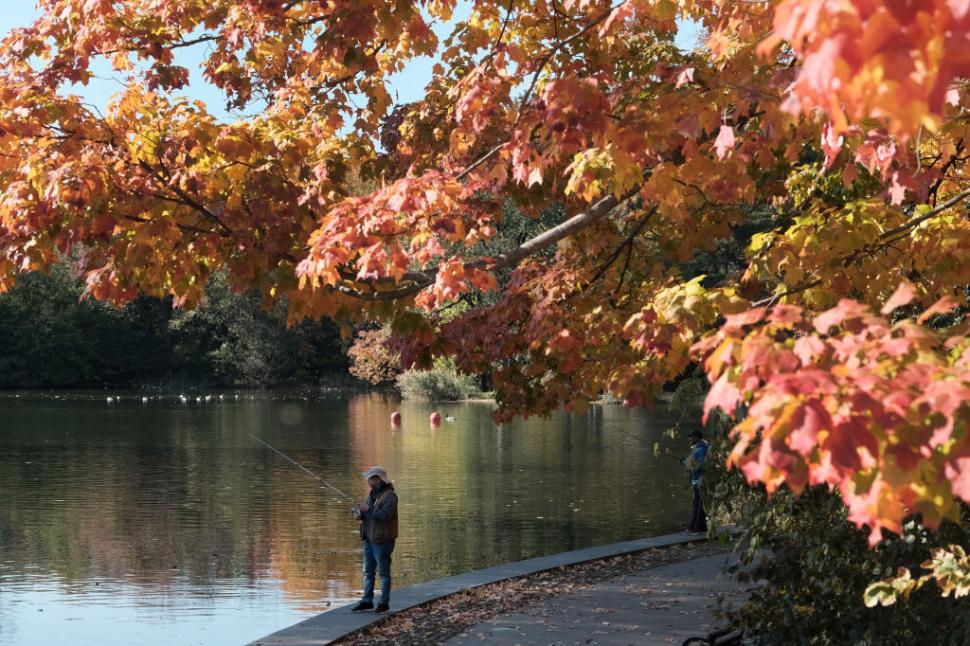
x: 377, y: 556
x: 698, y: 521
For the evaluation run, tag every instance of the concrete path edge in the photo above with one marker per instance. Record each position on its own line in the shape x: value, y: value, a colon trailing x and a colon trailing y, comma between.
x: 340, y: 622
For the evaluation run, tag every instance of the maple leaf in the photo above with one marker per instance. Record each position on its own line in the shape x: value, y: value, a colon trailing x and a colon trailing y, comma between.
x: 904, y: 295
x: 808, y: 421
x: 724, y: 142
x: 722, y: 395
x: 958, y: 473
x: 897, y: 192
x: 846, y: 309
x: 808, y: 348
x: 685, y: 76
x: 831, y: 144
x: 749, y: 317
x: 942, y: 306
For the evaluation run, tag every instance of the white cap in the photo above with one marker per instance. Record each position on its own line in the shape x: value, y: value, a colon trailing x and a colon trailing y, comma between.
x: 379, y: 472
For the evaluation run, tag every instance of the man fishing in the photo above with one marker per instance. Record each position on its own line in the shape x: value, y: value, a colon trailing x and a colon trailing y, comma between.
x: 695, y: 463
x: 378, y: 528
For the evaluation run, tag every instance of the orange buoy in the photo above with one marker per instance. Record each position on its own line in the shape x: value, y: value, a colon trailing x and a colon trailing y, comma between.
x: 395, y: 418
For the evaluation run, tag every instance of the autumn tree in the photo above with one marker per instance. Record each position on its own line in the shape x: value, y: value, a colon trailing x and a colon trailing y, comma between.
x: 371, y: 357
x: 843, y: 124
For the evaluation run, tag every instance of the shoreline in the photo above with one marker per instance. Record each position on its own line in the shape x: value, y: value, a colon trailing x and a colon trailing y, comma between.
x: 175, y: 390
x: 340, y: 622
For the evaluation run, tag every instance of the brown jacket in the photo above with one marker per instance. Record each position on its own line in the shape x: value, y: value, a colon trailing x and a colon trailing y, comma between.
x: 379, y: 523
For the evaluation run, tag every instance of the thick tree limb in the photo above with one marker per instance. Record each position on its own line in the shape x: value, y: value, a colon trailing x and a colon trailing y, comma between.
x: 560, y: 231
x: 422, y: 279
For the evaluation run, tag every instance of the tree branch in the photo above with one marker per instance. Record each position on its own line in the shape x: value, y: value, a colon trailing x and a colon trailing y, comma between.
x: 506, y: 260
x: 628, y: 241
x: 188, y: 228
x: 205, y: 38
x: 774, y: 298
x: 887, y: 238
x: 525, y: 98
x: 505, y: 24
x: 552, y: 52
x: 943, y: 171
x: 187, y: 199
x: 892, y: 235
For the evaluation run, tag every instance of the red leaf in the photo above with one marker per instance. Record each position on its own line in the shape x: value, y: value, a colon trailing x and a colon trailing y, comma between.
x: 849, y: 175
x: 807, y: 348
x: 724, y: 141
x: 845, y: 441
x: 806, y: 423
x: 722, y: 394
x: 786, y: 315
x: 897, y: 192
x: 750, y: 317
x: 831, y: 145
x: 941, y: 306
x: 903, y: 295
x: 809, y: 381
x: 958, y: 473
x: 846, y: 309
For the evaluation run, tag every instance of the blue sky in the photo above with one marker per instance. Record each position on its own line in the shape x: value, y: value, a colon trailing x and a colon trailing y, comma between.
x: 406, y: 86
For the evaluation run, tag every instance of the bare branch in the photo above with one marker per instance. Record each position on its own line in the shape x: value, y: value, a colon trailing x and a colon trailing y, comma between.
x: 205, y: 38
x: 774, y: 298
x: 943, y: 171
x: 628, y: 241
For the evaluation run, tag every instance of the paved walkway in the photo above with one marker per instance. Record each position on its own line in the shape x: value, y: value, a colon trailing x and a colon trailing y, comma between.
x: 329, y: 626
x: 661, y: 605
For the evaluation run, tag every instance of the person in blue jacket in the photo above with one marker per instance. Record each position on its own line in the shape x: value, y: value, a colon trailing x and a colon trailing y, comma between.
x: 698, y: 454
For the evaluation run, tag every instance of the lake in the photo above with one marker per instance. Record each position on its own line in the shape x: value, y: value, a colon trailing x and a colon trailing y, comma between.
x: 164, y: 522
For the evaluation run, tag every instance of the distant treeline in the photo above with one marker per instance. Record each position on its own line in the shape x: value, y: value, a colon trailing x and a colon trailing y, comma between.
x: 50, y: 338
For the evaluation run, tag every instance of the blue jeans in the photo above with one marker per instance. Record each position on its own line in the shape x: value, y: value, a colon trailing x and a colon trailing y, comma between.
x: 377, y: 555
x: 698, y: 520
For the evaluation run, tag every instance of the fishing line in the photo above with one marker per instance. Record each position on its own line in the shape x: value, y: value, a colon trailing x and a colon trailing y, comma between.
x: 300, y: 466
x: 618, y: 426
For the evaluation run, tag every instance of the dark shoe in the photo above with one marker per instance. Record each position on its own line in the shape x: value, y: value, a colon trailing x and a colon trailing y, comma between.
x: 362, y: 605
x: 381, y: 607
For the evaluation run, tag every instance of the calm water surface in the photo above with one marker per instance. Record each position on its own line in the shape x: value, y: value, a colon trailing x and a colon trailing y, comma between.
x: 164, y: 523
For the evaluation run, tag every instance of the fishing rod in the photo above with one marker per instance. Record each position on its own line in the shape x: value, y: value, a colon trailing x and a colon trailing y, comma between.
x: 300, y: 466
x: 615, y: 426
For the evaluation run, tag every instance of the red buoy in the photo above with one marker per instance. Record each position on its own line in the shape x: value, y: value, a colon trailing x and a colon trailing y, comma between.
x: 395, y: 418
x: 435, y: 418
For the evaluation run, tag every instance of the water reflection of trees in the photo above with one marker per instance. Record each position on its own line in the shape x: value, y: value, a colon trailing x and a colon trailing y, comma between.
x: 180, y: 497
